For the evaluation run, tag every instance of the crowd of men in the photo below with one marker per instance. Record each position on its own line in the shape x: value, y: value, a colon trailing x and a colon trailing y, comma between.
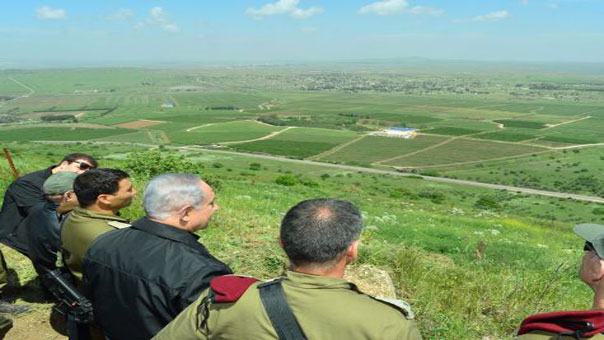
x: 152, y: 278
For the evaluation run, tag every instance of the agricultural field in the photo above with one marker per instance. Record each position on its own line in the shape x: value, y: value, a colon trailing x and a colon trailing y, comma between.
x: 299, y: 142
x: 373, y: 148
x: 222, y: 132
x: 54, y: 133
x: 325, y: 112
x: 465, y: 151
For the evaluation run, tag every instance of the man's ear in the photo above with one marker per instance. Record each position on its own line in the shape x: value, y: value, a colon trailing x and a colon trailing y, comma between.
x: 185, y: 213
x: 68, y: 196
x: 352, y: 252
x: 104, y: 199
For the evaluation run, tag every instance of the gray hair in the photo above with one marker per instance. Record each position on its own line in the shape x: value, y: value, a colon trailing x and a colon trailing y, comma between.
x: 165, y: 194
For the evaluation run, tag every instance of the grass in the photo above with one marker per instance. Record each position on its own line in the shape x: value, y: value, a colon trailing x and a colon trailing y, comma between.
x: 508, y: 135
x: 468, y: 273
x: 516, y: 123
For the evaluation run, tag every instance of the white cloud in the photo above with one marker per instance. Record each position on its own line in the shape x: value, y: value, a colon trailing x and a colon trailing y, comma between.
x: 385, y: 7
x: 46, y: 12
x: 158, y: 17
x: 388, y: 7
x: 284, y: 7
x: 121, y: 15
x: 426, y: 10
x: 493, y: 16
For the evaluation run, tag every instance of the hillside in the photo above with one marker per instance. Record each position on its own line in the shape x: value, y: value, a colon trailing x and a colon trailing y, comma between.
x: 472, y: 262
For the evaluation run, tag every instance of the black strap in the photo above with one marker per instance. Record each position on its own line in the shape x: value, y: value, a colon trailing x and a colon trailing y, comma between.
x: 282, y: 318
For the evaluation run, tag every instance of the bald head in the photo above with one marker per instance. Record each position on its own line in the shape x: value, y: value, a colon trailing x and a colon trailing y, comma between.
x: 318, y: 231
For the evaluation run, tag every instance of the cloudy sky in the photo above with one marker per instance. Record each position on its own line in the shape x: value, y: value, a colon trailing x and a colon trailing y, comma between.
x: 131, y: 31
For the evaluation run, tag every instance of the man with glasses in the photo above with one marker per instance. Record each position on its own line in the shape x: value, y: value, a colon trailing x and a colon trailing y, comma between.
x: 139, y: 278
x: 23, y: 194
x: 576, y: 324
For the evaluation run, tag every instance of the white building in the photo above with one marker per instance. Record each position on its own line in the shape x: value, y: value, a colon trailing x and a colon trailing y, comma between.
x: 397, y: 132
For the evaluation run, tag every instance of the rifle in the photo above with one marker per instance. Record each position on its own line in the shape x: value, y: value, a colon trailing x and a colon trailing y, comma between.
x: 63, y: 289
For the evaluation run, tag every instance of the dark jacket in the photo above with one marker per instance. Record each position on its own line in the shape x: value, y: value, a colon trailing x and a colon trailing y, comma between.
x: 24, y: 193
x: 42, y: 230
x: 139, y: 278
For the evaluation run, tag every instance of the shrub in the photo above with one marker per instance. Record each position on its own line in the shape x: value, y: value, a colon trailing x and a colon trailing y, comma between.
x: 286, y: 180
x: 487, y: 203
x: 255, y: 166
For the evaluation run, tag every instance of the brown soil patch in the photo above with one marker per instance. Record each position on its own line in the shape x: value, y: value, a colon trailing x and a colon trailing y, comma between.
x: 138, y: 124
x: 371, y: 280
x: 37, y: 325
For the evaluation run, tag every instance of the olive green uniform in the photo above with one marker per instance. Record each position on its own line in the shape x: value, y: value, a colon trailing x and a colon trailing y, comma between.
x: 543, y: 335
x: 79, y: 231
x: 326, y: 308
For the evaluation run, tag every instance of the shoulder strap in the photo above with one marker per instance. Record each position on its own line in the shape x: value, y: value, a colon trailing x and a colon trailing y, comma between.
x: 281, y: 315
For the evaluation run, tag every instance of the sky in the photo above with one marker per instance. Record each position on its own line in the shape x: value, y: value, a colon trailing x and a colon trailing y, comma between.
x: 273, y: 31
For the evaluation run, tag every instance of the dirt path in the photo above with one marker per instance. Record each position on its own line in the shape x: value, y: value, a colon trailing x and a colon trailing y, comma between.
x: 270, y: 135
x: 31, y: 91
x: 549, y: 126
x: 336, y: 149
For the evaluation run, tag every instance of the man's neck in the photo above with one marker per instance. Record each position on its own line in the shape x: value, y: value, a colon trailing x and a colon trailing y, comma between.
x: 336, y: 271
x: 598, y: 300
x: 95, y: 208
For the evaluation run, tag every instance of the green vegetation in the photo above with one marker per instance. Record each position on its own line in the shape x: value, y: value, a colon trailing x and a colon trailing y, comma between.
x: 450, y: 131
x: 526, y: 124
x: 465, y: 150
x: 299, y: 142
x: 469, y: 269
x: 57, y: 133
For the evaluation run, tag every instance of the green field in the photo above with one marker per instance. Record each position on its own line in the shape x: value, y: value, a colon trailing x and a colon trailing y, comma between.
x: 299, y: 142
x: 465, y: 150
x: 55, y: 133
x: 221, y: 132
x: 373, y: 148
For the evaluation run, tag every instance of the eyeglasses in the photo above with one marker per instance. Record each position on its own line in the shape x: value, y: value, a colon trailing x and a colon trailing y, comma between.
x: 83, y: 165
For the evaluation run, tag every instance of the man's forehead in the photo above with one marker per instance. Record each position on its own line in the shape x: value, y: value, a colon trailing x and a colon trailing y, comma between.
x: 207, y: 190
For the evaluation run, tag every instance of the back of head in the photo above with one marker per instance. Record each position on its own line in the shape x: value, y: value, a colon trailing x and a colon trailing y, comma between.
x: 166, y: 194
x: 72, y: 157
x: 88, y: 186
x: 318, y: 231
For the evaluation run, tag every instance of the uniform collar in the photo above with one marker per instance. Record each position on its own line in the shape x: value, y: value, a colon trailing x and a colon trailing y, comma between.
x: 312, y: 281
x: 168, y: 231
x: 91, y: 214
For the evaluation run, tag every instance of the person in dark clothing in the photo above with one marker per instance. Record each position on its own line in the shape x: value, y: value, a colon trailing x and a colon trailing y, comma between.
x: 26, y: 192
x: 19, y: 199
x: 42, y: 227
x: 139, y: 278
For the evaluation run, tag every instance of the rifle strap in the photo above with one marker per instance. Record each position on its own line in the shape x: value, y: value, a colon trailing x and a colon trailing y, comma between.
x: 279, y: 312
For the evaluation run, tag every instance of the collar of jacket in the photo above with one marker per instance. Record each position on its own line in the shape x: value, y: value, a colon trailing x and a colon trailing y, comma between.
x: 91, y: 214
x: 308, y: 281
x: 169, y: 232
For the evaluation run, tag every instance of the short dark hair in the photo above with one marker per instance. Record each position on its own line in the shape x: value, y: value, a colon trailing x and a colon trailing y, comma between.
x: 318, y: 231
x: 89, y: 185
x: 72, y: 157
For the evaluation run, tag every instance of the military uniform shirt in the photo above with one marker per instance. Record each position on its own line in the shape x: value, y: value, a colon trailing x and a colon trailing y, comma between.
x: 326, y: 308
x: 79, y: 231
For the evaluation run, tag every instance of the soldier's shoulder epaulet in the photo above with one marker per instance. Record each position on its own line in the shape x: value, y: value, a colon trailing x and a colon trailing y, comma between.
x: 402, y: 306
x: 119, y: 225
x: 229, y: 288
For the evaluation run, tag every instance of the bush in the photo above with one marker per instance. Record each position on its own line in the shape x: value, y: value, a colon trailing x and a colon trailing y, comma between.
x: 255, y: 166
x: 153, y: 163
x: 287, y: 180
x: 487, y: 203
